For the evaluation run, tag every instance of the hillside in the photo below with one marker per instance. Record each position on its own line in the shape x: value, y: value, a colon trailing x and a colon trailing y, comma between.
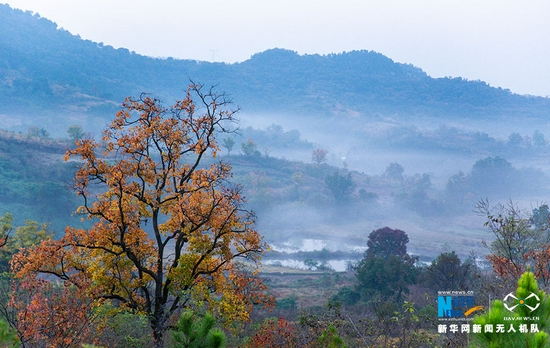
x: 307, y: 205
x: 49, y: 77
x: 452, y: 138
x: 35, y: 182
x: 291, y: 199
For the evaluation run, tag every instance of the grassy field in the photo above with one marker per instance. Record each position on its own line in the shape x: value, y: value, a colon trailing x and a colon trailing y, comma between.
x: 305, y: 288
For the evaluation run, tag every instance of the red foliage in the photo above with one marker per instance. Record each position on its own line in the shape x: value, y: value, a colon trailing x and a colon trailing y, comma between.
x: 538, y: 261
x: 51, y: 314
x: 274, y: 333
x: 386, y: 241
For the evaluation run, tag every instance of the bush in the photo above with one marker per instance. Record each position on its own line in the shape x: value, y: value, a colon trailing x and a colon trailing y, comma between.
x: 286, y: 303
x: 347, y: 296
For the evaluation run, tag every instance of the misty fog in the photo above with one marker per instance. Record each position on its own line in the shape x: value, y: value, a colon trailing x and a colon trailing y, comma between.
x: 484, y: 160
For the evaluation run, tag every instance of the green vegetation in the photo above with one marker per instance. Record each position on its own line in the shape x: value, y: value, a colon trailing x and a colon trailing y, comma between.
x: 523, y: 317
x: 385, y: 298
x: 25, y: 236
x: 35, y: 185
x: 123, y: 329
x: 35, y: 182
x: 447, y: 271
x: 341, y: 186
x: 193, y: 332
x: 8, y: 337
x: 250, y: 148
x: 95, y: 77
x: 387, y: 270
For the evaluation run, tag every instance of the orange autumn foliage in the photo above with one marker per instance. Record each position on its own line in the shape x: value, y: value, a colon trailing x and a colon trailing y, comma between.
x: 274, y: 333
x: 51, y: 314
x: 168, y: 229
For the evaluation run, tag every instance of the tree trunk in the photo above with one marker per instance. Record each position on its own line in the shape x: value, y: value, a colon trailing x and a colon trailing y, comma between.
x: 159, y: 330
x: 158, y: 336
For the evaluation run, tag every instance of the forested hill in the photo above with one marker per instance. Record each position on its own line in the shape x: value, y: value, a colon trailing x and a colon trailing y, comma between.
x: 48, y: 75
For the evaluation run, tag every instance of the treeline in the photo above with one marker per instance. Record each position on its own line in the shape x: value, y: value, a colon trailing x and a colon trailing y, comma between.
x: 49, y: 69
x: 456, y: 141
x: 270, y: 181
x: 395, y: 300
x: 387, y: 298
x: 171, y: 256
x: 36, y: 180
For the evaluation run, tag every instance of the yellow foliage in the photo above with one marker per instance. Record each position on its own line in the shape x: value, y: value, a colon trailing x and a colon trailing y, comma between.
x: 167, y: 231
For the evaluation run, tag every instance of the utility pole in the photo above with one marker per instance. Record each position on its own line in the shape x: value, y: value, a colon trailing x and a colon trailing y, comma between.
x: 213, y: 52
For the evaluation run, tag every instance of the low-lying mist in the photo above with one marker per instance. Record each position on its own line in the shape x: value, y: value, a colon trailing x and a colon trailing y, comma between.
x: 423, y: 180
x: 370, y: 172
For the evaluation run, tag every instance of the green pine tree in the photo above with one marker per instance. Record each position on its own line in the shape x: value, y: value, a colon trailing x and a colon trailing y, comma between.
x: 522, y: 314
x: 192, y: 333
x: 330, y: 339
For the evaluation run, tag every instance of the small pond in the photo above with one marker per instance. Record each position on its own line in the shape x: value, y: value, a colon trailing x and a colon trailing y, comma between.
x: 314, y: 254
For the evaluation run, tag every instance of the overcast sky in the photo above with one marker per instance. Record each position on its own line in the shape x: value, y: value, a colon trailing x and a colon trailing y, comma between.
x: 503, y: 42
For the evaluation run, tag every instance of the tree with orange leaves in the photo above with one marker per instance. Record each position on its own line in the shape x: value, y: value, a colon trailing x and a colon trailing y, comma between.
x: 169, y: 230
x: 49, y: 314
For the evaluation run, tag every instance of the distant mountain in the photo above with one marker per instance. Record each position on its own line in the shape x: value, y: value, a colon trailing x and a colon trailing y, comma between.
x: 50, y: 77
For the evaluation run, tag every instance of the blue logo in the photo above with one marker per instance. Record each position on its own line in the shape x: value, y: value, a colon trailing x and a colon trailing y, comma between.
x: 456, y: 306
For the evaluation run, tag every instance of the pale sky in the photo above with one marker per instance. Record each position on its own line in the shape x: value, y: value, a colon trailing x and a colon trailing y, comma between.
x: 503, y: 42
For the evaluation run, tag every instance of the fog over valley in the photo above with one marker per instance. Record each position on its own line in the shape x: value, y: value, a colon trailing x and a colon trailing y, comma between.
x: 290, y: 199
x: 418, y: 152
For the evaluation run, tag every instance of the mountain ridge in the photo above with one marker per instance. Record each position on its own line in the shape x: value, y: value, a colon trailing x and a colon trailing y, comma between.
x: 48, y: 74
